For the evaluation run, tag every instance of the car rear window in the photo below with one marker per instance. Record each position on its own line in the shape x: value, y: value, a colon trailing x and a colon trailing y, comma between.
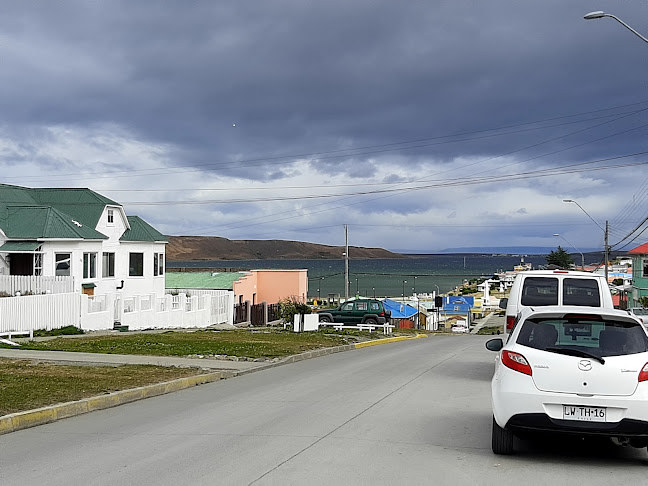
x: 580, y: 291
x: 375, y: 306
x: 595, y: 336
x: 539, y: 291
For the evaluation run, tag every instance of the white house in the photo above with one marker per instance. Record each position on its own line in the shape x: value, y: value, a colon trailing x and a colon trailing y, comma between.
x: 81, y: 234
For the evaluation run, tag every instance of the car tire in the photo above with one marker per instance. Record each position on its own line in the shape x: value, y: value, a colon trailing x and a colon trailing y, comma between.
x: 371, y: 321
x: 326, y: 319
x: 502, y: 440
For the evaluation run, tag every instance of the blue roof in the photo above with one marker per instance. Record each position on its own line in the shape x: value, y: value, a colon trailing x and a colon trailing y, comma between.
x: 399, y: 310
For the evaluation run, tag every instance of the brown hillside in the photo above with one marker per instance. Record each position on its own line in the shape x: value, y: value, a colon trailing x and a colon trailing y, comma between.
x: 188, y: 248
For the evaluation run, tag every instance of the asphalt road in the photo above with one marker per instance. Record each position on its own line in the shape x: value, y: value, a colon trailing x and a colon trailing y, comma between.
x: 413, y: 412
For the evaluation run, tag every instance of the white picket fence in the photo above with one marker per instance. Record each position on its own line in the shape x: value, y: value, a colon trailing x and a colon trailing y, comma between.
x: 31, y: 284
x: 52, y: 311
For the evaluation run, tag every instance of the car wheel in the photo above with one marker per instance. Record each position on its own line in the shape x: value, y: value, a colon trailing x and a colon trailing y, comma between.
x: 325, y: 319
x: 371, y: 321
x: 502, y: 440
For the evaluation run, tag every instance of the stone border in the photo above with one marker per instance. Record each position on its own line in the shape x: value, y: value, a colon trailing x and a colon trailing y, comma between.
x: 52, y: 413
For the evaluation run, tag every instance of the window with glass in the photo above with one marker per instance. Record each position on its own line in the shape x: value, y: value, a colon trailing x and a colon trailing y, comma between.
x: 539, y: 291
x: 108, y: 265
x: 136, y: 264
x: 111, y: 216
x: 89, y: 265
x: 62, y: 264
x: 582, y: 335
x: 581, y: 291
x: 644, y: 267
x: 158, y: 264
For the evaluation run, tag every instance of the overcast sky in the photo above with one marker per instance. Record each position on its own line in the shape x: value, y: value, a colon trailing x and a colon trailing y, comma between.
x: 423, y: 125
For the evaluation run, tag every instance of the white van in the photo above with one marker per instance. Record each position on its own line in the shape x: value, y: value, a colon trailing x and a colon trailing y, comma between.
x: 535, y: 288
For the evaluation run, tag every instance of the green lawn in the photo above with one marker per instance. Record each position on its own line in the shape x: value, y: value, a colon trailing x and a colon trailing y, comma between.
x: 251, y: 343
x: 25, y: 385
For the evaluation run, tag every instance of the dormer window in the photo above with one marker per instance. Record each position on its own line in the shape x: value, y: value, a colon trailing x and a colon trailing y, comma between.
x: 111, y: 216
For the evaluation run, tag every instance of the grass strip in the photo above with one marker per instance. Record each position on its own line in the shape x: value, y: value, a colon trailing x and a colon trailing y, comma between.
x: 241, y: 342
x: 25, y: 385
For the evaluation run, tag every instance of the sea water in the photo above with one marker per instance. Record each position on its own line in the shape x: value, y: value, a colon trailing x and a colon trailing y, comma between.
x: 380, y: 277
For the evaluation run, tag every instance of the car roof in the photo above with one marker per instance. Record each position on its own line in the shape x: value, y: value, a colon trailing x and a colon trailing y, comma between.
x: 571, y: 273
x: 556, y: 310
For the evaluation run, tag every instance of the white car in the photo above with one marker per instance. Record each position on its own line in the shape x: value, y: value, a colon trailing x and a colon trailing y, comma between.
x: 574, y: 370
x: 641, y: 313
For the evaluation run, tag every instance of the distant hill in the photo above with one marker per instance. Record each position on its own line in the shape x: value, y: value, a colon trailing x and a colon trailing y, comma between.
x: 193, y: 248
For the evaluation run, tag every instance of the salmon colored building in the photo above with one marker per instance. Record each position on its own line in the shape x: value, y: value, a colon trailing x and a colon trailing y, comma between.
x: 271, y: 286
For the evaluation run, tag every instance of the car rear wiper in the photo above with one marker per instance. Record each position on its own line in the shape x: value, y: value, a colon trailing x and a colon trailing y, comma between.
x: 575, y: 352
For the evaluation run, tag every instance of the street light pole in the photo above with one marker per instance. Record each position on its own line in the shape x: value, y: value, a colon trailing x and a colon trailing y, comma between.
x: 606, y: 232
x: 404, y: 282
x: 600, y: 15
x: 582, y: 256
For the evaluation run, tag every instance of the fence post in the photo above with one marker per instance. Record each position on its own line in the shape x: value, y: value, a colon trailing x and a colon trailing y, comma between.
x: 248, y: 312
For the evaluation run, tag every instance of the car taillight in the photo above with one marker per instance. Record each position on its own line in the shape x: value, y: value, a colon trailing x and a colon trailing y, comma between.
x: 510, y: 320
x: 382, y: 313
x: 643, y: 374
x: 516, y: 362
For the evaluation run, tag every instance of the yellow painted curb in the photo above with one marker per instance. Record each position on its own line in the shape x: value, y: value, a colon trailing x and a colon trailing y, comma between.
x: 387, y: 340
x: 31, y: 418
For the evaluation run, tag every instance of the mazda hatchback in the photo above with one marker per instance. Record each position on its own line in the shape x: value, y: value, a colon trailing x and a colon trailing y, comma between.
x: 571, y: 370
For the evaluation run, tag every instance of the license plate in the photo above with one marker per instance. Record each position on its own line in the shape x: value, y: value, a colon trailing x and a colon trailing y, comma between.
x: 587, y: 414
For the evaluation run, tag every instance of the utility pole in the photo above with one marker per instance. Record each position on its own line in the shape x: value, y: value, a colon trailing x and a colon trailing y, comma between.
x: 346, y: 262
x: 607, y: 249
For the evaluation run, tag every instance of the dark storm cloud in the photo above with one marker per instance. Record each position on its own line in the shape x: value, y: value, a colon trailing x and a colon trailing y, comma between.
x: 245, y: 89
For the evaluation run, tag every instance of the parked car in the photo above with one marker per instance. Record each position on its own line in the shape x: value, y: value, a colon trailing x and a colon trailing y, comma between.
x: 359, y: 311
x: 571, y: 370
x: 555, y: 287
x: 640, y: 313
x: 456, y: 328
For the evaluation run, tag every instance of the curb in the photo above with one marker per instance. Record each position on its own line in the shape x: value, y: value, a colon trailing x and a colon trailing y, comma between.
x: 387, y: 340
x: 44, y: 415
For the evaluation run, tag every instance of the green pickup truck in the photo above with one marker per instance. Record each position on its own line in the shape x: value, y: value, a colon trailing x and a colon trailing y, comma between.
x: 359, y: 311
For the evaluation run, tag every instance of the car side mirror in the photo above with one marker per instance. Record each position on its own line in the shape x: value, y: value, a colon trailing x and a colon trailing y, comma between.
x: 494, y: 344
x: 503, y: 303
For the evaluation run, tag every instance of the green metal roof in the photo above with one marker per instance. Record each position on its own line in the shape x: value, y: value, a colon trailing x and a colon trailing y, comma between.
x: 202, y: 280
x: 62, y: 213
x: 140, y: 230
x: 18, y: 246
x: 31, y: 222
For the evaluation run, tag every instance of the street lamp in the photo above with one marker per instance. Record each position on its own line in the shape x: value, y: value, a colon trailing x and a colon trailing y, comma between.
x: 414, y: 289
x: 606, y: 231
x: 404, y: 282
x: 374, y: 291
x: 600, y: 15
x: 582, y: 256
x: 356, y: 286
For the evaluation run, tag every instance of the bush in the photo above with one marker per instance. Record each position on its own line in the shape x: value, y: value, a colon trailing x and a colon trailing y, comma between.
x: 290, y: 306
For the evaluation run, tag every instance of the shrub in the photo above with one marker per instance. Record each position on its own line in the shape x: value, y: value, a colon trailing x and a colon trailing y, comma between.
x: 290, y: 306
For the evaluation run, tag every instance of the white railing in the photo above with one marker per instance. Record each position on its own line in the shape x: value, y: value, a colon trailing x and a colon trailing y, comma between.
x: 31, y: 312
x: 93, y: 313
x: 222, y: 303
x: 33, y: 285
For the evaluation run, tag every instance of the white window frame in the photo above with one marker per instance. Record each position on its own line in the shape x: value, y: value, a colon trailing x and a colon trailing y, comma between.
x: 158, y: 264
x: 105, y: 264
x: 644, y: 267
x: 130, y: 264
x: 57, y: 262
x: 89, y: 265
x: 110, y: 217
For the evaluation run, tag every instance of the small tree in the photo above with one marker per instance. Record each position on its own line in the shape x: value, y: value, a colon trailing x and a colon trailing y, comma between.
x: 290, y: 306
x: 560, y: 258
x: 643, y: 302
